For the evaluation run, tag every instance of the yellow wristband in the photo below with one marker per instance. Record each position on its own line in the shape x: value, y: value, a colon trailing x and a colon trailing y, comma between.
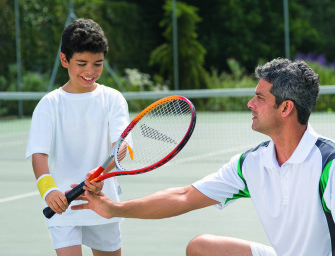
x: 45, y: 183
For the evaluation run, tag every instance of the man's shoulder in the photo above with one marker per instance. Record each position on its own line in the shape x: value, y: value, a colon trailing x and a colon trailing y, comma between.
x: 257, y: 149
x: 254, y: 153
x: 327, y: 149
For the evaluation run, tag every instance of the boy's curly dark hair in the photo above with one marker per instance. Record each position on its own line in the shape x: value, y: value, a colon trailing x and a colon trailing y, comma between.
x: 83, y: 35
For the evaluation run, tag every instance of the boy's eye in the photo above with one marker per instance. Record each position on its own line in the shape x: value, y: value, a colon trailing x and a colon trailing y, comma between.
x: 82, y: 65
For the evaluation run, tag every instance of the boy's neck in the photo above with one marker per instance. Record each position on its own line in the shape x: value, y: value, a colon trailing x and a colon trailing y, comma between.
x: 68, y: 87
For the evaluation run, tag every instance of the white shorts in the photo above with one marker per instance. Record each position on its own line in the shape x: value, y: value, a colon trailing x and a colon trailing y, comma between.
x: 261, y: 250
x: 105, y: 237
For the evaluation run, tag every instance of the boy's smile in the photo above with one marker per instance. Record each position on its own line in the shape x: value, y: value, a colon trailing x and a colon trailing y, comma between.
x: 84, y: 69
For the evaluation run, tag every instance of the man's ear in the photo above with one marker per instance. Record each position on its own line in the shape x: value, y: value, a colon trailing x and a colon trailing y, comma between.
x: 63, y: 60
x: 287, y: 108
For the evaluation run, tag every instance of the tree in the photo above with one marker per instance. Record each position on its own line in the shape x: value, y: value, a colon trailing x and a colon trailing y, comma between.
x: 191, y: 53
x: 253, y: 30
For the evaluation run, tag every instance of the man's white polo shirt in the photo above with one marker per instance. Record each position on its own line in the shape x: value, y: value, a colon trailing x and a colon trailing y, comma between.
x: 286, y: 198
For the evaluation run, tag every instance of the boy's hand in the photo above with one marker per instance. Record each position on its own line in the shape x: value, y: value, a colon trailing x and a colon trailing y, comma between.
x: 93, y: 186
x: 57, y: 201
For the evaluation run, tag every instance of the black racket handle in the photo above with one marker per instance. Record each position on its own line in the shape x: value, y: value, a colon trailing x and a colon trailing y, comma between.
x: 70, y: 196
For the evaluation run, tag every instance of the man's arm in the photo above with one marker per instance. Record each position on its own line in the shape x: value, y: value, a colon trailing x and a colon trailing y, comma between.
x: 163, y: 204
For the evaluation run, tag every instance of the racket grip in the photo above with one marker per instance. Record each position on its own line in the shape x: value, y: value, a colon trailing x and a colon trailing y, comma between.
x: 70, y: 196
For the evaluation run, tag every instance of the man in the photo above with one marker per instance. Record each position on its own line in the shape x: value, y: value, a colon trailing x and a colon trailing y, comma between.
x: 288, y: 178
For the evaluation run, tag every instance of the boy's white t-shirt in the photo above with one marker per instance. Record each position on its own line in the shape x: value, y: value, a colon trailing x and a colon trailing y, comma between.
x: 76, y: 131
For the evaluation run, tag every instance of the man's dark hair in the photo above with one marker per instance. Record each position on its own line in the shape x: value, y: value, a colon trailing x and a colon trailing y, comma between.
x: 292, y: 80
x: 83, y: 35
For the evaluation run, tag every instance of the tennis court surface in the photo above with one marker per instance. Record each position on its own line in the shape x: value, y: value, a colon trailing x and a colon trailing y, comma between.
x: 23, y: 229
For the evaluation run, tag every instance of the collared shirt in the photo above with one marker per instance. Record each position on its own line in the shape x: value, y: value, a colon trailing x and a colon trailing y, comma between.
x: 286, y: 198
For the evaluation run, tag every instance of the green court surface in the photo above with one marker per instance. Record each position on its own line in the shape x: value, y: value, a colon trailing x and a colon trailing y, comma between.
x: 217, y: 137
x: 24, y: 232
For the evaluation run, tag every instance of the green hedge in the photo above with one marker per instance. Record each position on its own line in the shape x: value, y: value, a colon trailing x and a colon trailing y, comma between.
x: 135, y: 81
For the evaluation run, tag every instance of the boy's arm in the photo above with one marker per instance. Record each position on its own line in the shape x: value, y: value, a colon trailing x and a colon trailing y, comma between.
x: 163, y: 204
x: 96, y: 187
x: 111, y: 165
x: 55, y: 199
x: 40, y: 164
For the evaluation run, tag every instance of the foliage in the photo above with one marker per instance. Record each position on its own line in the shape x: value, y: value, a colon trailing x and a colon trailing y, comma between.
x: 210, y: 32
x: 143, y: 81
x: 134, y: 81
x: 236, y: 78
x: 326, y: 72
x: 31, y: 82
x: 246, y: 30
x: 320, y: 14
x: 327, y: 77
x: 190, y: 52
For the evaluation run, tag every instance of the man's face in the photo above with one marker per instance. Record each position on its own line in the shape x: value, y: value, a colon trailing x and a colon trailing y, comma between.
x: 266, y: 117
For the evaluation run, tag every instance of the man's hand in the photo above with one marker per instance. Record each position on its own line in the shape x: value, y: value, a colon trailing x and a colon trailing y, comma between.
x: 99, y: 203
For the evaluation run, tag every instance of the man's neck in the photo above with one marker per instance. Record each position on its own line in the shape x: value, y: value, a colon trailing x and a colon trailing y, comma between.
x: 287, y: 142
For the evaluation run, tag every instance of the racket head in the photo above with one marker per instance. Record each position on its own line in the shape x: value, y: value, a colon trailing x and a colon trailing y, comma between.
x: 155, y: 136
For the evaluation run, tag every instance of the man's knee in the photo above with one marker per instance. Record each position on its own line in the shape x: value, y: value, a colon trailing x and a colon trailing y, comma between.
x: 197, y: 246
x: 217, y: 246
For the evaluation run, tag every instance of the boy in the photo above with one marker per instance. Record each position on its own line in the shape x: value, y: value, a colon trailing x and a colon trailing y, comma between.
x: 73, y: 129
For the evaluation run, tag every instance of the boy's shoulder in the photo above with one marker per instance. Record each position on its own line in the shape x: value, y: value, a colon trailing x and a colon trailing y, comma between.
x: 50, y: 96
x: 109, y: 89
x: 111, y: 92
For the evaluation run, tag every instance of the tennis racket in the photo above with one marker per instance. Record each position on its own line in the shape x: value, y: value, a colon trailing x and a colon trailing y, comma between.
x: 154, y: 137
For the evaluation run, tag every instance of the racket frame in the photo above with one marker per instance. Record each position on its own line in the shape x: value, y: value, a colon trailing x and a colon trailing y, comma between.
x: 96, y: 176
x: 121, y: 171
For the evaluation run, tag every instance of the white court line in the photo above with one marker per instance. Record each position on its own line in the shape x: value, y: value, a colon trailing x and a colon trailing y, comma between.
x: 226, y: 151
x: 10, y: 144
x: 12, y: 198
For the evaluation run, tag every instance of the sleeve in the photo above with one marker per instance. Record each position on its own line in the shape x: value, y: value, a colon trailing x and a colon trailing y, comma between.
x: 40, y: 131
x: 118, y: 117
x: 224, y: 185
x: 328, y: 177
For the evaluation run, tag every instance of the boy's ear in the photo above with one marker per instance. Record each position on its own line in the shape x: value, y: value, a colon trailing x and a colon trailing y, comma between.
x: 63, y: 60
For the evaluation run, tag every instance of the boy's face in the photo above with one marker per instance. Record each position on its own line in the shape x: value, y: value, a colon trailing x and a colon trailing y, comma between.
x: 84, y: 69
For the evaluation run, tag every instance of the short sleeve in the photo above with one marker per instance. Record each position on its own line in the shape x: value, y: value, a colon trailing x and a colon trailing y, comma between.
x: 40, y: 131
x: 223, y: 184
x: 329, y: 192
x: 118, y: 117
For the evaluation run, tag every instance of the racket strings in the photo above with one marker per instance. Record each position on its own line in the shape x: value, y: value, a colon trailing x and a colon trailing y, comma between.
x: 157, y: 134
